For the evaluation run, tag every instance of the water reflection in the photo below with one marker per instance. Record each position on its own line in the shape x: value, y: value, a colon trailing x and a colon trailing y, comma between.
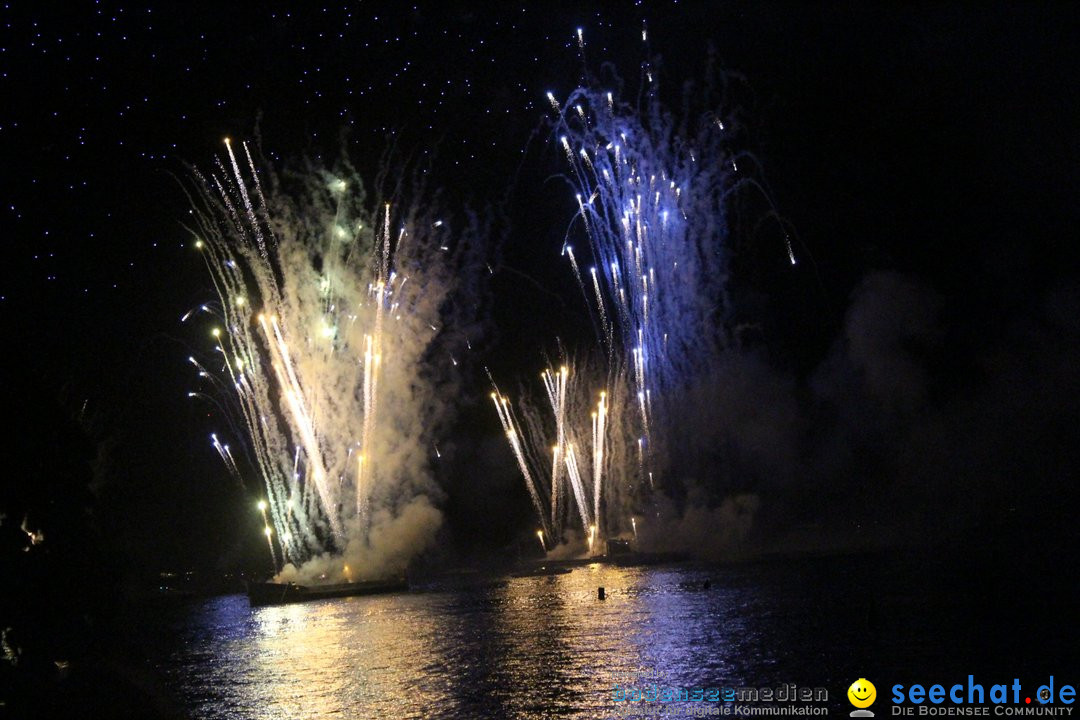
x: 531, y: 647
x: 328, y: 658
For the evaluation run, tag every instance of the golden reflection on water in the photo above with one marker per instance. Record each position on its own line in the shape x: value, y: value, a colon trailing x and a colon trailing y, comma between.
x: 526, y: 647
x: 581, y: 641
x: 547, y: 647
x: 328, y: 658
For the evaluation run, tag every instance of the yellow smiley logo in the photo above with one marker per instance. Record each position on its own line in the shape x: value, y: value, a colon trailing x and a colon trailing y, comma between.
x: 862, y: 693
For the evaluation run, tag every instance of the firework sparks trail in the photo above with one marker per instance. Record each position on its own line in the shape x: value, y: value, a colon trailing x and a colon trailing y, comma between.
x: 326, y: 324
x: 652, y: 196
x: 513, y: 435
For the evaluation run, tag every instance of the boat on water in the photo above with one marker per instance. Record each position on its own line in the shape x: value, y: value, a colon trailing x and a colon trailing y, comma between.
x: 268, y: 593
x: 543, y: 570
x: 646, y: 558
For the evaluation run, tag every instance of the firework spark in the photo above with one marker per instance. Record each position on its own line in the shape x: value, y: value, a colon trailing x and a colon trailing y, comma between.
x: 330, y: 315
x: 651, y: 196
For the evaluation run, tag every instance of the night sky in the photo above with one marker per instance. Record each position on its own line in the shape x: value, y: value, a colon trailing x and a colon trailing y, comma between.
x: 933, y: 149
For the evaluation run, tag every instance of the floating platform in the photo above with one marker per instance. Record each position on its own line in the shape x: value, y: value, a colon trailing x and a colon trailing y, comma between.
x: 632, y: 559
x: 543, y: 570
x: 622, y: 559
x: 284, y: 593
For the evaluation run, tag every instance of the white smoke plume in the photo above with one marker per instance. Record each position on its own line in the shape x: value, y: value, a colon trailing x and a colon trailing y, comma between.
x: 340, y: 325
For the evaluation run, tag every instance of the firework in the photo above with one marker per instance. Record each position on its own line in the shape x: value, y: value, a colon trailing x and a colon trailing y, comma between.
x: 651, y: 196
x: 564, y: 446
x: 328, y: 318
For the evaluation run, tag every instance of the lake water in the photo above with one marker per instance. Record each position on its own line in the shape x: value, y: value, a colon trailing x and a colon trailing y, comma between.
x: 547, y: 647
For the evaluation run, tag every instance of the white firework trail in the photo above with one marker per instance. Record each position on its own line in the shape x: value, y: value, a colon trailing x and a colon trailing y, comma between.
x: 325, y: 332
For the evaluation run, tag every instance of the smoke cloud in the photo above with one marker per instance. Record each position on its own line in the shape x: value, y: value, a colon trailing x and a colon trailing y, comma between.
x: 343, y: 321
x: 901, y: 435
